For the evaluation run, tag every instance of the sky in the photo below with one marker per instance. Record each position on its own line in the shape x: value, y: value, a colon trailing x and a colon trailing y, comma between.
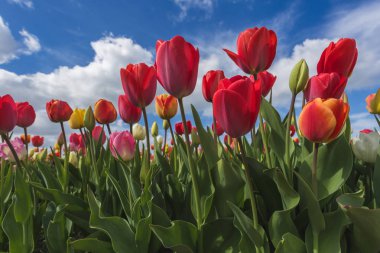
x: 73, y: 49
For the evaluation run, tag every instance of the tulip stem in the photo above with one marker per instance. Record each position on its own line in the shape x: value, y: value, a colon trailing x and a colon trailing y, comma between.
x: 171, y: 132
x: 314, y: 180
x: 193, y: 174
x: 265, y: 142
x: 26, y: 144
x: 130, y: 128
x: 166, y: 133
x: 14, y: 153
x: 147, y: 135
x: 250, y: 185
x: 109, y: 129
x: 215, y: 134
x: 287, y: 138
x: 65, y: 172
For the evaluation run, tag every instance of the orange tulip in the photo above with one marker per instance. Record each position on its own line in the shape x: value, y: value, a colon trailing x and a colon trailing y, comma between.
x: 105, y: 112
x: 321, y: 121
x: 166, y: 106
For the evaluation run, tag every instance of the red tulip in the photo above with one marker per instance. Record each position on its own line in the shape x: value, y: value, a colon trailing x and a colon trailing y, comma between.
x: 77, y: 143
x: 292, y: 130
x: 8, y: 114
x: 321, y: 121
x: 139, y: 83
x: 236, y: 105
x: 219, y: 129
x: 97, y: 132
x: 129, y: 113
x: 267, y: 82
x: 210, y: 83
x: 177, y: 66
x: 25, y: 114
x: 256, y: 49
x: 105, y: 112
x: 37, y: 141
x: 339, y: 57
x: 366, y: 131
x: 325, y: 85
x: 58, y: 111
x: 179, y: 129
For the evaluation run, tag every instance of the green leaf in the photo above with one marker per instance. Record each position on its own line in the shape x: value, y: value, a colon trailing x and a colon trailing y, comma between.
x: 181, y: 236
x: 290, y: 243
x: 351, y: 199
x: 333, y: 166
x: 118, y: 230
x: 92, y: 245
x: 376, y: 179
x: 23, y: 199
x: 281, y: 222
x: 207, y: 141
x: 6, y: 184
x: 123, y: 199
x: 50, y: 180
x: 57, y: 234
x: 220, y: 236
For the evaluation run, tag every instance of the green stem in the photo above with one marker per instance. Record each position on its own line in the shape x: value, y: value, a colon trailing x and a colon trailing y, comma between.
x: 109, y: 129
x: 26, y: 144
x: 65, y: 172
x: 193, y: 175
x: 215, y: 134
x: 165, y: 136
x: 315, y: 242
x: 147, y: 135
x: 265, y: 142
x: 287, y: 138
x: 250, y: 185
x: 171, y: 132
x: 314, y: 180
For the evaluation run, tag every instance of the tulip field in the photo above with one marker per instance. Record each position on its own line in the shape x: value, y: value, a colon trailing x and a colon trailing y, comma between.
x: 255, y: 180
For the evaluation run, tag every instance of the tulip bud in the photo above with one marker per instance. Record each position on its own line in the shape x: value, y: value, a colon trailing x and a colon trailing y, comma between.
x: 165, y: 124
x: 154, y: 129
x: 138, y: 132
x: 365, y: 147
x: 60, y: 140
x: 160, y: 140
x: 73, y: 159
x: 299, y: 77
x: 195, y: 137
x: 373, y: 103
x: 89, y: 119
x: 41, y: 156
x: 76, y: 120
x: 98, y: 132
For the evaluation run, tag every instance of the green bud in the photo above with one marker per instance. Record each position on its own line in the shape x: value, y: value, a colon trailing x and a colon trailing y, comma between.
x: 89, y: 119
x: 41, y: 156
x: 195, y: 137
x: 299, y: 77
x: 165, y: 124
x: 154, y: 129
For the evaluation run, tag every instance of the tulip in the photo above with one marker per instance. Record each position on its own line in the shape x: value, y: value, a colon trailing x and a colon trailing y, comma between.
x: 25, y: 114
x: 236, y: 105
x: 139, y: 83
x: 76, y: 120
x: 166, y: 106
x: 219, y: 130
x: 256, y: 49
x: 325, y: 85
x: 180, y: 130
x: 321, y: 121
x: 339, y: 57
x: 154, y: 129
x: 267, y: 82
x: 298, y: 77
x: 25, y: 140
x: 37, y: 141
x: 138, y: 132
x: 177, y: 66
x: 60, y: 140
x: 296, y: 140
x: 165, y: 124
x: 98, y: 132
x: 8, y: 114
x: 210, y: 83
x: 122, y: 145
x: 105, y: 112
x: 73, y: 158
x: 77, y: 143
x: 160, y: 140
x: 19, y: 147
x: 195, y: 137
x: 89, y: 119
x: 292, y: 130
x: 58, y: 111
x: 366, y: 146
x: 373, y: 102
x: 129, y: 113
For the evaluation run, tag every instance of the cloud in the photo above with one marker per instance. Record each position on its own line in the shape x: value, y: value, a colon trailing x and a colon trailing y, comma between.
x: 11, y: 49
x: 22, y: 3
x: 186, y: 5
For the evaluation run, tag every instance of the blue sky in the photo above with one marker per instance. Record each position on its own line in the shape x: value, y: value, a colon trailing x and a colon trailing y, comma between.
x: 74, y: 49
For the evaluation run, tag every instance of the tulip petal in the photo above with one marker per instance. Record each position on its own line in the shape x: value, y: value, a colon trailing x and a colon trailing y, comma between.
x: 340, y: 111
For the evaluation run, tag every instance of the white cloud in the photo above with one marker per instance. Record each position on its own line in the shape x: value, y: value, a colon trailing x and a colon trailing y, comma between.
x: 23, y: 3
x: 11, y: 49
x: 186, y: 5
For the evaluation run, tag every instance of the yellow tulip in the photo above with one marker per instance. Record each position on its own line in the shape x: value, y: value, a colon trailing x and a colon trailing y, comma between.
x: 373, y: 102
x: 166, y: 106
x: 76, y: 120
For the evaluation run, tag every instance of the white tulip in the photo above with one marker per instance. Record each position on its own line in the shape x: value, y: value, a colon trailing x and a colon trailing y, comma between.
x: 160, y: 140
x: 366, y: 146
x: 138, y: 132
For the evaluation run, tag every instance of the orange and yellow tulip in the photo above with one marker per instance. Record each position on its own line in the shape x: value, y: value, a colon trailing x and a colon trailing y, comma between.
x: 166, y: 106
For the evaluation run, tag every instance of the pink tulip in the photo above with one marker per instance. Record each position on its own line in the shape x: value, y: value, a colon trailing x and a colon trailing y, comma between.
x: 122, y: 145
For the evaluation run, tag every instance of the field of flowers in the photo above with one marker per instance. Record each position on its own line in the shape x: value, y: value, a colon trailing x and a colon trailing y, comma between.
x: 254, y: 181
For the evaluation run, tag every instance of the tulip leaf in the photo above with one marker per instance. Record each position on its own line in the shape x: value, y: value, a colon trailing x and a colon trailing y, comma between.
x: 23, y: 199
x: 180, y: 236
x: 92, y: 245
x: 125, y: 202
x: 290, y: 243
x: 118, y: 230
x: 50, y: 181
x: 56, y: 235
x: 334, y: 166
x: 220, y: 236
x: 281, y: 222
x: 351, y: 199
x: 207, y: 141
x: 6, y: 184
x: 376, y: 179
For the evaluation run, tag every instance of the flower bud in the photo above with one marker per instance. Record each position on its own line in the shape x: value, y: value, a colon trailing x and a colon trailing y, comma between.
x: 154, y: 129
x: 41, y: 156
x: 299, y: 77
x: 73, y: 159
x: 165, y: 124
x: 89, y: 119
x: 138, y: 132
x: 160, y: 140
x: 195, y: 137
